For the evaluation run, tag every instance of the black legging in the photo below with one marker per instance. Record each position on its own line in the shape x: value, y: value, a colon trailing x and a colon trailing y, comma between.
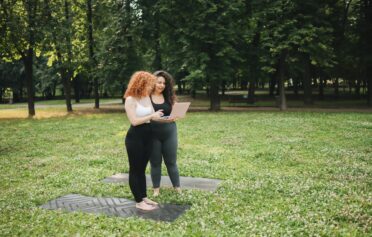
x: 164, y: 147
x: 139, y: 145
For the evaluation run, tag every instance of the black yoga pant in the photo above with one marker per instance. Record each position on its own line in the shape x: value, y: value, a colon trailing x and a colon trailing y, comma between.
x: 165, y: 145
x: 138, y: 143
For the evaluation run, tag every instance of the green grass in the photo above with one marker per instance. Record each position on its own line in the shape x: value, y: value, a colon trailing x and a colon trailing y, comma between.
x: 294, y: 173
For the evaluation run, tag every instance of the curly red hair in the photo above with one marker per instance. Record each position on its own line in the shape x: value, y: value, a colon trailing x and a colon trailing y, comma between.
x: 139, y: 83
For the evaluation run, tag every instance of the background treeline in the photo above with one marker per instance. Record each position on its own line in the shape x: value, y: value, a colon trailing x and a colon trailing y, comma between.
x: 89, y: 48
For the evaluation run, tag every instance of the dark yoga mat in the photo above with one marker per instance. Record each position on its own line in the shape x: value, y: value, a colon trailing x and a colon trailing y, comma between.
x: 186, y: 182
x: 120, y: 207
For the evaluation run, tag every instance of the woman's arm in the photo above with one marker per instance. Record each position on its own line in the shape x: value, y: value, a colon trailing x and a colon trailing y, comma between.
x: 130, y: 109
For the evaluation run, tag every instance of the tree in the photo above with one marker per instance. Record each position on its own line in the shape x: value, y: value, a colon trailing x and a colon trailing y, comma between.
x: 21, y: 35
x: 206, y: 31
x: 296, y: 32
x: 120, y: 50
x: 365, y: 39
x: 92, y: 60
x: 65, y: 42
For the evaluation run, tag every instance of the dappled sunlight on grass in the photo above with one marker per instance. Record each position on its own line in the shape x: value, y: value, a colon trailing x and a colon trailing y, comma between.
x: 23, y: 113
x: 45, y: 113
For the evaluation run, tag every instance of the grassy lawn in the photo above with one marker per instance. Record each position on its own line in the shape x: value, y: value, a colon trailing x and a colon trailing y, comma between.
x: 294, y: 173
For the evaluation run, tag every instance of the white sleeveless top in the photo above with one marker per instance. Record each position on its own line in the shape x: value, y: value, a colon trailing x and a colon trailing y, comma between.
x: 142, y: 111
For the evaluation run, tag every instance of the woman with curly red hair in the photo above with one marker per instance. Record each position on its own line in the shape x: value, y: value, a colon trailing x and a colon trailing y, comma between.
x: 138, y: 140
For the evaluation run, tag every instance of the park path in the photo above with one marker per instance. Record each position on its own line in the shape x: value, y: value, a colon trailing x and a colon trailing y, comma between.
x: 74, y: 105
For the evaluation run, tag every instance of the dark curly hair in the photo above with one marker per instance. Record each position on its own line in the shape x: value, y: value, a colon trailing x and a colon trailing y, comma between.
x: 168, y: 93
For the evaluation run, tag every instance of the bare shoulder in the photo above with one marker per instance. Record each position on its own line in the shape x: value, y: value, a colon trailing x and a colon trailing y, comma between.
x: 130, y: 101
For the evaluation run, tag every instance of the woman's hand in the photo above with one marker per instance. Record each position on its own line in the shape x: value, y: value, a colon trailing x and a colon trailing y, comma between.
x: 157, y: 114
x: 172, y: 119
x: 166, y: 120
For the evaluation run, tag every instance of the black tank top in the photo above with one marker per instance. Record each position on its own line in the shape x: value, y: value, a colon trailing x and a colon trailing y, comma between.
x: 166, y: 107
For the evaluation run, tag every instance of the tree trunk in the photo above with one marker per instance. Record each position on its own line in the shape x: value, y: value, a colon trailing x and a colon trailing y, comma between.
x: 336, y: 85
x: 234, y: 81
x: 77, y: 88
x: 369, y: 89
x: 351, y: 85
x: 357, y: 88
x: 20, y: 89
x: 28, y: 62
x: 251, y: 92
x: 223, y: 87
x: 179, y: 87
x: 307, y: 81
x: 369, y: 94
x: 366, y: 37
x: 253, y: 82
x: 295, y: 86
x: 243, y: 84
x: 28, y: 59
x: 321, y: 88
x: 17, y: 95
x: 66, y: 73
x: 282, y: 98
x: 66, y: 88
x: 54, y: 88
x: 214, y: 96
x: 273, y: 81
x: 183, y: 86
x: 254, y: 65
x: 91, y: 52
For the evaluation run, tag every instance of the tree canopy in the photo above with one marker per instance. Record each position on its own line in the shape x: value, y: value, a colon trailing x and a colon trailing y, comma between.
x: 90, y: 48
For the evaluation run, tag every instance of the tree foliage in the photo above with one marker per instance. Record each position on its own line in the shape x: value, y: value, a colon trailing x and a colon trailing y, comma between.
x: 209, y: 45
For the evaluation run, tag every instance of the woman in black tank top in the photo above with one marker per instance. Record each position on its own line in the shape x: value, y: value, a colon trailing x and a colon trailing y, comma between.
x: 165, y: 142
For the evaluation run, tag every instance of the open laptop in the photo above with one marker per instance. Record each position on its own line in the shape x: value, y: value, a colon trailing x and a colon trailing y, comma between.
x: 179, y: 110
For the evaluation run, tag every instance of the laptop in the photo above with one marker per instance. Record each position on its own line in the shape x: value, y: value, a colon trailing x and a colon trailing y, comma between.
x: 179, y: 110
